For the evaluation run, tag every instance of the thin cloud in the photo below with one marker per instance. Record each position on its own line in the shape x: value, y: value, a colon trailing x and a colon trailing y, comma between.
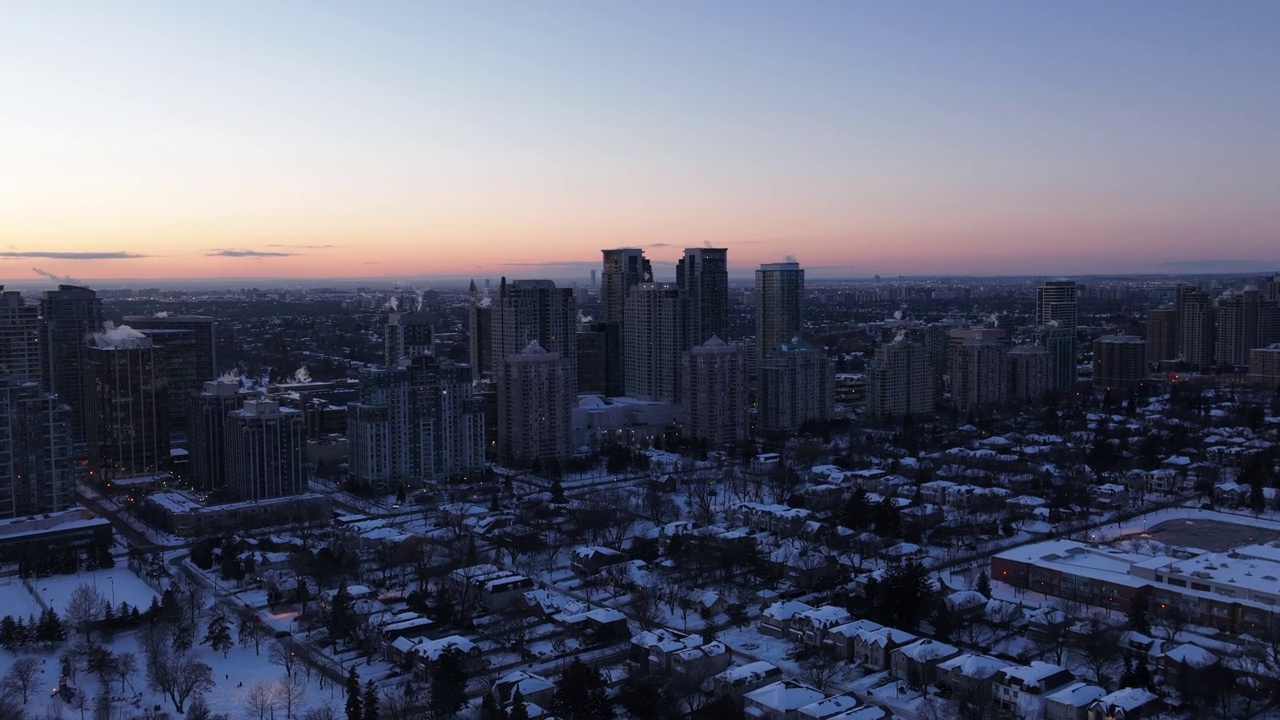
x: 247, y: 253
x: 47, y: 255
x: 303, y: 247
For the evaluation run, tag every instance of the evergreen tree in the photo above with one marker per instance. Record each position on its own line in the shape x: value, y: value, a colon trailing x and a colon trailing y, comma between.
x: 370, y: 701
x: 1139, y: 615
x: 983, y: 585
x: 856, y: 513
x: 519, y: 711
x: 218, y: 634
x: 448, y: 684
x: 9, y: 633
x: 341, y: 621
x: 580, y: 694
x: 353, y: 695
x: 49, y: 630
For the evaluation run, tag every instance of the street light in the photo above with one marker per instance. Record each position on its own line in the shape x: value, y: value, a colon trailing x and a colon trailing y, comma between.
x: 113, y: 588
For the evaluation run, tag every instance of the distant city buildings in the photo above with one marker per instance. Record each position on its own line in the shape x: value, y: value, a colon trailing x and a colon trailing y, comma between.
x: 979, y: 368
x: 797, y: 386
x: 651, y: 344
x: 534, y: 402
x: 407, y: 334
x: 189, y: 346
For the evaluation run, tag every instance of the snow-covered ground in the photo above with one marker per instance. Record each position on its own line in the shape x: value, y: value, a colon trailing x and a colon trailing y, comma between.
x: 116, y: 585
x: 16, y: 600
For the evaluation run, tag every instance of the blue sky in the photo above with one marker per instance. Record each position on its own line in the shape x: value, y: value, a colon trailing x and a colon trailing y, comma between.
x: 398, y: 138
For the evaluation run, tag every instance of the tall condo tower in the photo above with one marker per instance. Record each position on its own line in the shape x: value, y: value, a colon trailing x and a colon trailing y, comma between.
x: 779, y: 305
x: 624, y: 268
x: 68, y: 316
x: 703, y: 278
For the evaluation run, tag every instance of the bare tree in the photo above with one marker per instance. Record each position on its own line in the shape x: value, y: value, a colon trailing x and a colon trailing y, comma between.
x: 125, y: 667
x: 282, y: 654
x: 85, y: 607
x: 289, y: 692
x: 196, y: 595
x: 178, y: 675
x: 259, y: 699
x: 820, y: 667
x: 22, y: 676
x: 252, y: 632
x: 324, y: 712
x: 1099, y: 647
x: 1171, y: 621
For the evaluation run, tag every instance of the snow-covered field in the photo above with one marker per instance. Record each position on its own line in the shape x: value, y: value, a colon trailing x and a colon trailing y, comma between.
x: 116, y: 585
x: 16, y: 600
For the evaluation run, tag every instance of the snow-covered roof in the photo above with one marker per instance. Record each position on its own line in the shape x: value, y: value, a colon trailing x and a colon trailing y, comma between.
x: 1076, y: 695
x: 784, y: 696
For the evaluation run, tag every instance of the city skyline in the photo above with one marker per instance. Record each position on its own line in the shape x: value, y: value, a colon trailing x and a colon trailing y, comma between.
x: 309, y: 141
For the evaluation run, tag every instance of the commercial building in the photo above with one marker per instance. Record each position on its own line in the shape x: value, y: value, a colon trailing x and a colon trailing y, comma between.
x: 1264, y: 366
x: 1162, y: 335
x: 600, y: 369
x: 1197, y: 326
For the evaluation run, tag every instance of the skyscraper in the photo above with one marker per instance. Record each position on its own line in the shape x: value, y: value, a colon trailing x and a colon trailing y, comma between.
x: 207, y: 419
x: 68, y: 316
x: 779, y: 305
x: 624, y: 268
x: 406, y: 334
x: 600, y: 359
x: 19, y: 338
x: 36, y: 464
x: 796, y: 387
x: 703, y: 278
x: 1162, y: 335
x: 189, y: 344
x: 127, y: 405
x: 264, y: 451
x: 534, y: 407
x: 651, y: 342
x: 534, y: 310
x: 899, y: 382
x: 1056, y: 313
x: 480, y: 326
x: 1246, y: 320
x: 1030, y: 373
x: 978, y: 368
x: 1119, y: 361
x: 715, y: 393
x: 417, y: 422
x: 1197, y: 326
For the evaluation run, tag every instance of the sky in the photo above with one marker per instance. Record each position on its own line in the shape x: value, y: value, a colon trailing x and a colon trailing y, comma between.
x: 419, y: 139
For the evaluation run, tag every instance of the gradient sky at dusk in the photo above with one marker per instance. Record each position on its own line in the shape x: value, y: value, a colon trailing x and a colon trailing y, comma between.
x: 387, y: 139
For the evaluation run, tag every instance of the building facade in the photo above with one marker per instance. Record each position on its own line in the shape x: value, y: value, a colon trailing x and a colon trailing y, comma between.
x: 264, y: 452
x: 900, y: 382
x: 979, y: 366
x: 37, y: 469
x: 651, y: 342
x: 703, y: 278
x: 715, y: 393
x: 534, y: 406
x: 406, y: 334
x: 797, y: 386
x: 207, y: 413
x: 624, y: 268
x: 19, y: 338
x: 1119, y: 361
x: 190, y: 346
x: 128, y: 406
x: 68, y: 317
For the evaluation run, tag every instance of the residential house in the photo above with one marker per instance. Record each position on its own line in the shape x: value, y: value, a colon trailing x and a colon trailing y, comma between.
x: 776, y: 619
x: 840, y: 638
x: 968, y: 675
x: 1126, y: 704
x: 1071, y: 702
x: 871, y: 648
x: 533, y: 688
x: 696, y: 664
x: 811, y: 626
x: 589, y: 560
x: 653, y: 650
x: 1020, y: 690
x: 781, y: 700
x: 827, y: 708
x: 735, y: 682
x: 917, y: 662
